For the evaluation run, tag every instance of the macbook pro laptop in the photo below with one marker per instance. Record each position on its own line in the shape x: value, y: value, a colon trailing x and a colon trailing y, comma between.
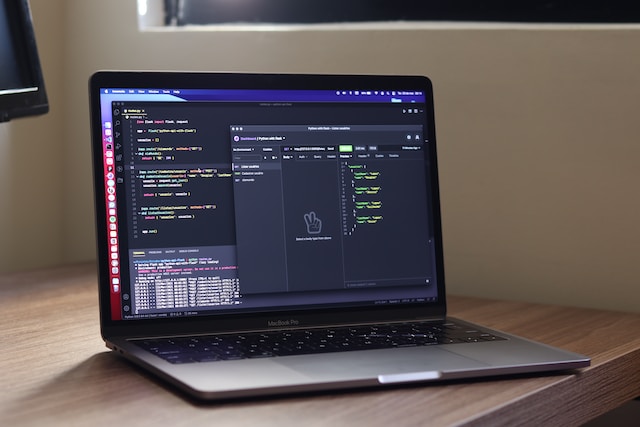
x: 264, y: 234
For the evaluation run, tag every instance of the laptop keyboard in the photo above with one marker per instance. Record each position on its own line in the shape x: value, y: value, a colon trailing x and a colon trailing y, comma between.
x: 212, y: 348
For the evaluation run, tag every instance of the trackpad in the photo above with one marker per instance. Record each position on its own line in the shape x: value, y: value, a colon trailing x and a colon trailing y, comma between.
x: 379, y: 363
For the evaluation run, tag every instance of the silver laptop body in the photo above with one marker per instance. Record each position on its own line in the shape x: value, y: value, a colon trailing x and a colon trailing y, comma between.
x: 235, y: 209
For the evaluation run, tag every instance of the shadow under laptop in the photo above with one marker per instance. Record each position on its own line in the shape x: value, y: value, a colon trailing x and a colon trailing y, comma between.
x: 102, y: 387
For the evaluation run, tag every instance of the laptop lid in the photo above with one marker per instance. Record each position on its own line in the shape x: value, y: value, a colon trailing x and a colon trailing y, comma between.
x: 255, y: 201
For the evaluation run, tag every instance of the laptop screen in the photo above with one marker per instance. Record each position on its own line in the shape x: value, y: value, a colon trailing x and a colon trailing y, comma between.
x: 216, y: 200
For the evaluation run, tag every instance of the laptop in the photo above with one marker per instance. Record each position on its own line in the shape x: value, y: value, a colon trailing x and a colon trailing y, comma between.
x: 263, y: 234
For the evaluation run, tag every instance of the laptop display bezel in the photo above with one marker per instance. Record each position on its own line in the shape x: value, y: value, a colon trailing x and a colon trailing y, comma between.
x: 225, y: 322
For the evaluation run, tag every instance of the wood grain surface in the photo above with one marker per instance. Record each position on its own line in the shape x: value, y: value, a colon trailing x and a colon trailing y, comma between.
x: 56, y: 371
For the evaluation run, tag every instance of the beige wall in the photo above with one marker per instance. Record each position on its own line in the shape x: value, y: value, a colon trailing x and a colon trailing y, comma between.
x: 537, y: 127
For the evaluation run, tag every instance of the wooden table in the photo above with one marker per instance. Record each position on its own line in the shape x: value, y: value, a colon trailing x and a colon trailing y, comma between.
x: 56, y: 371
